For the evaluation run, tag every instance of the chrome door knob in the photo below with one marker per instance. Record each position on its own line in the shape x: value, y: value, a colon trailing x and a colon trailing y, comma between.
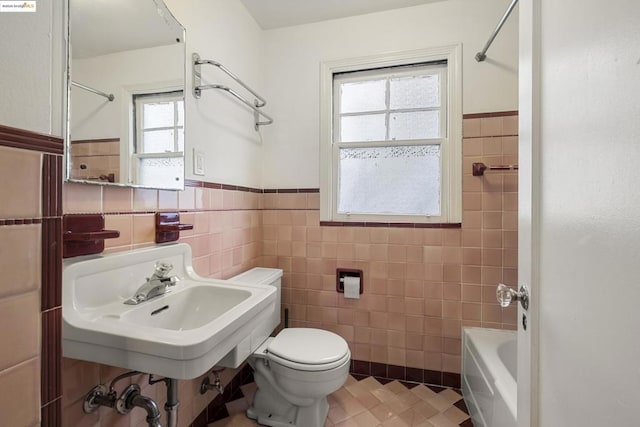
x: 505, y: 295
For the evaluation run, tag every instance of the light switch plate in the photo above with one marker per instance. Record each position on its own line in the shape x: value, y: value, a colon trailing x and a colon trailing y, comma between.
x: 198, y: 162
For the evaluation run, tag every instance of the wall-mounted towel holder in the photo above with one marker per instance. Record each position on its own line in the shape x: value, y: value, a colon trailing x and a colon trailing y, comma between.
x: 198, y: 87
x: 478, y: 169
x: 84, y: 234
x: 168, y: 227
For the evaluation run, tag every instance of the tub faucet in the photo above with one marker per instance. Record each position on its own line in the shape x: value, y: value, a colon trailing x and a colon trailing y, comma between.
x: 155, y: 285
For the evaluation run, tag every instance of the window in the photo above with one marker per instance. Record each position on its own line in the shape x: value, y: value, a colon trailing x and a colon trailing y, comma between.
x: 391, y: 138
x: 159, y: 138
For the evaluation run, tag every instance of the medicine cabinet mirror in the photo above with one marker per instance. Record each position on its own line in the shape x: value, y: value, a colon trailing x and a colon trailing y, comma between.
x: 125, y: 94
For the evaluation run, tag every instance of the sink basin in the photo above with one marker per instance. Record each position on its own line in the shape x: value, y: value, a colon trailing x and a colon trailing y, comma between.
x: 192, y: 308
x: 180, y: 334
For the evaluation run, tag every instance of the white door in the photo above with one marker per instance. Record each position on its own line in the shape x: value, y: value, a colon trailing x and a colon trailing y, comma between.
x: 579, y: 360
x: 528, y: 218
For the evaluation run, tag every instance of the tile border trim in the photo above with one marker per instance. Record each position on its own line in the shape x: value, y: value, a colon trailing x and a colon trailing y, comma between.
x: 90, y: 141
x: 218, y: 186
x: 51, y: 358
x: 492, y: 114
x: 20, y: 221
x: 51, y: 285
x: 51, y: 186
x: 51, y: 414
x: 29, y: 140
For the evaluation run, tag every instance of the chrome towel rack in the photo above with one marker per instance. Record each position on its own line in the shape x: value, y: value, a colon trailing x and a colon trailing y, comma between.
x: 198, y: 87
x: 109, y: 96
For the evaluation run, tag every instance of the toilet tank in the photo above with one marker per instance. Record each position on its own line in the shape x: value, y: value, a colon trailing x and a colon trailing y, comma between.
x: 266, y: 277
x: 256, y: 276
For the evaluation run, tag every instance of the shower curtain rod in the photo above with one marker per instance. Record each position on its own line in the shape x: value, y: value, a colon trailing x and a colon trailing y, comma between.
x: 109, y: 96
x: 481, y: 56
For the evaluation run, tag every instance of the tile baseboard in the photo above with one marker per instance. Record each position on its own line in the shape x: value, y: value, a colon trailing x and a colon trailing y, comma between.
x: 403, y: 373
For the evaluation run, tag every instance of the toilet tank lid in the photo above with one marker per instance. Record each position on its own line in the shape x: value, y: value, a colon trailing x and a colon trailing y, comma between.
x: 258, y: 276
x: 309, y: 346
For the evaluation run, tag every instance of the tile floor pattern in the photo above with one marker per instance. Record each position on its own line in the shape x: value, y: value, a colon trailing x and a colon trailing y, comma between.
x: 369, y: 403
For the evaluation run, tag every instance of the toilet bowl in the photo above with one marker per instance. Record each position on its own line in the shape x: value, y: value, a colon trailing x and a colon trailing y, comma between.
x: 296, y: 370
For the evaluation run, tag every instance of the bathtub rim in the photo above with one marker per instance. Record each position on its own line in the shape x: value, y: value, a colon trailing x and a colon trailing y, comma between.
x: 485, y: 348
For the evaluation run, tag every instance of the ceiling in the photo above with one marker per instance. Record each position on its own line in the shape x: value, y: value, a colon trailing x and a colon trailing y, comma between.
x: 99, y: 27
x: 284, y: 13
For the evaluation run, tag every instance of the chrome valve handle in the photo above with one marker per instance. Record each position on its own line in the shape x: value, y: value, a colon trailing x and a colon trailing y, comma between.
x: 162, y: 268
x: 505, y: 295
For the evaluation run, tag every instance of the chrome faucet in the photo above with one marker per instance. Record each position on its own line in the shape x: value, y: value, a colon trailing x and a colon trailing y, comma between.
x: 155, y: 285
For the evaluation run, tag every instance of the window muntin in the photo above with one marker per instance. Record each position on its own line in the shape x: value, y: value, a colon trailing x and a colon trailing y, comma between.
x: 406, y: 102
x: 389, y: 127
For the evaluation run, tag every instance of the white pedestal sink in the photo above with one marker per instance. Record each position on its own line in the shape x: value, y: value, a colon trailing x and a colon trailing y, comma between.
x: 180, y: 334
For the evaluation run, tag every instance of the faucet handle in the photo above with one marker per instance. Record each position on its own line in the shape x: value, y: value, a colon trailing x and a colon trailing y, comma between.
x: 162, y: 268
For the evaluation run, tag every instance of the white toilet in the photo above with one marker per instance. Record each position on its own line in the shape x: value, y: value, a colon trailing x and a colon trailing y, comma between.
x: 296, y: 370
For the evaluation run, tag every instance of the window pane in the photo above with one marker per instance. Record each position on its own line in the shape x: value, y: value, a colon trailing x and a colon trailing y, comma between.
x: 415, y: 92
x: 370, y: 127
x: 363, y: 96
x: 161, y: 172
x: 414, y: 125
x: 157, y: 141
x: 390, y: 180
x: 158, y: 114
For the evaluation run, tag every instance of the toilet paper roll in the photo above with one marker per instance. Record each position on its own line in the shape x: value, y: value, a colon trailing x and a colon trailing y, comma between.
x: 352, y: 287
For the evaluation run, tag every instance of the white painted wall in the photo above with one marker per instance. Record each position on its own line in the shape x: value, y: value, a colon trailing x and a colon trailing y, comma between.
x: 590, y: 213
x: 217, y: 124
x: 292, y: 59
x: 31, y: 68
x: 120, y: 74
x: 281, y: 64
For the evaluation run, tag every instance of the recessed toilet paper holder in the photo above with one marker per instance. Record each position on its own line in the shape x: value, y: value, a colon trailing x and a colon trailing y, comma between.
x: 341, y: 273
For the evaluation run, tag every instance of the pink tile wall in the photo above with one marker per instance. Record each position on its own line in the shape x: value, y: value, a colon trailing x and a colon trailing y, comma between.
x: 20, y: 263
x: 226, y: 240
x: 421, y: 285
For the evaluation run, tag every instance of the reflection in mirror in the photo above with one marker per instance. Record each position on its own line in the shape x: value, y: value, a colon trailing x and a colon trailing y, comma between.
x: 126, y: 94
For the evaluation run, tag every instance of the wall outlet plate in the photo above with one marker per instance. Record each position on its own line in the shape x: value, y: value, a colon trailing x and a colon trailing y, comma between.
x: 198, y: 162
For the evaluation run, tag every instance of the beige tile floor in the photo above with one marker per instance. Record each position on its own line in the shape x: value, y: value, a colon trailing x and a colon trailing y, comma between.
x: 368, y: 403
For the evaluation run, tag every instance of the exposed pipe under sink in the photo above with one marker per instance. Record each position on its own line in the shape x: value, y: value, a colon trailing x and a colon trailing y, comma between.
x: 131, y: 398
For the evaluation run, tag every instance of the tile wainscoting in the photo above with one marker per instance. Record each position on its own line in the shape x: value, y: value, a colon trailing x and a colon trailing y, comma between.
x: 422, y: 285
x: 30, y: 289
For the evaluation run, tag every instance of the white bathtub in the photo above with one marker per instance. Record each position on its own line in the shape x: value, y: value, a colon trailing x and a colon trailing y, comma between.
x: 489, y: 376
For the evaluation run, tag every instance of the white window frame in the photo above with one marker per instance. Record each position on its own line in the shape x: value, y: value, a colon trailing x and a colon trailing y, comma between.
x: 139, y: 100
x: 450, y: 143
x: 147, y: 98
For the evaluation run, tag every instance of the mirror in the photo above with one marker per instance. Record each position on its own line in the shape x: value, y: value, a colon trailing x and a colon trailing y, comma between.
x: 125, y: 86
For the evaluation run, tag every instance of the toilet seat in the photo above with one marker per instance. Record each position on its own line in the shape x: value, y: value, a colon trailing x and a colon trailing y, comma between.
x: 307, y: 349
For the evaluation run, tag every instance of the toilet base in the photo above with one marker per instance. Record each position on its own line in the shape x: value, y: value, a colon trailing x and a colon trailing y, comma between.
x: 270, y: 408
